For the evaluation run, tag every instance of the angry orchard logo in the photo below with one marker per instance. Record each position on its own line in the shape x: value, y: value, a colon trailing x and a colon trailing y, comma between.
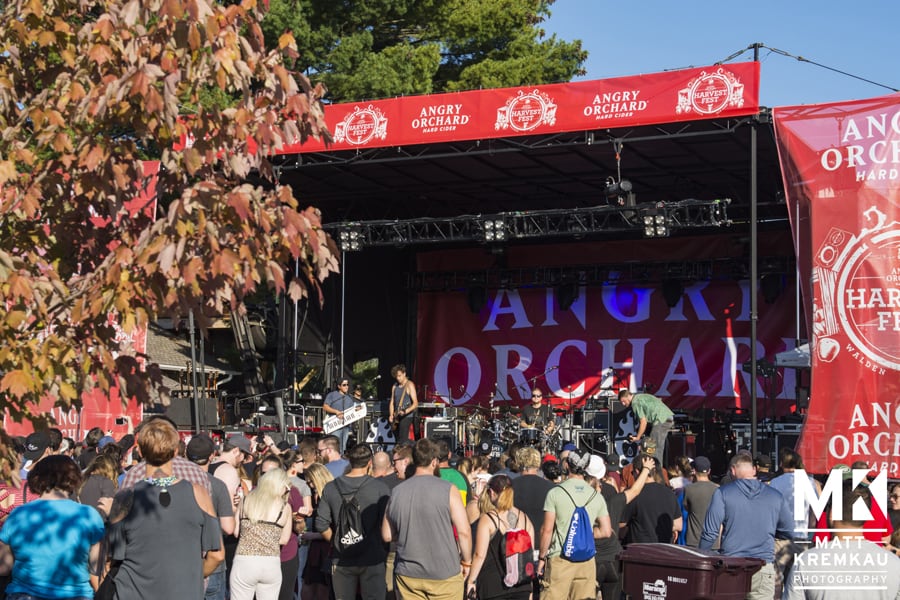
x: 526, y: 111
x: 711, y: 93
x: 361, y: 126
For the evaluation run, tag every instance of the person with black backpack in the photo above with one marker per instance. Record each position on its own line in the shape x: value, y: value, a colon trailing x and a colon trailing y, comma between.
x: 349, y: 516
x: 574, y: 515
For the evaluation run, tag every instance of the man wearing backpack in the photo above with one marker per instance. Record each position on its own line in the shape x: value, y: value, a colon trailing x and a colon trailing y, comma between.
x: 574, y: 514
x: 349, y: 516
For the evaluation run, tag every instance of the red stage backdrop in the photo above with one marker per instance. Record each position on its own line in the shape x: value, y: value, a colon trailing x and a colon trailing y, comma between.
x: 841, y: 166
x: 686, y: 95
x: 611, y: 337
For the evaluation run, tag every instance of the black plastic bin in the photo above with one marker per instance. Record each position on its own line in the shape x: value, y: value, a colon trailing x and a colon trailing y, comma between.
x: 670, y: 572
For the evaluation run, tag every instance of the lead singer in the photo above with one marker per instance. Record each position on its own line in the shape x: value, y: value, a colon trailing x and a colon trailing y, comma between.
x: 404, y: 404
x: 336, y: 403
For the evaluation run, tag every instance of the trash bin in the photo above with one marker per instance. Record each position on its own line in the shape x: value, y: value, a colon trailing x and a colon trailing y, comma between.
x: 670, y: 572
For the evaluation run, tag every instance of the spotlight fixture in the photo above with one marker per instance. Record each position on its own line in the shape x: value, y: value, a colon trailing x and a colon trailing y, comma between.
x: 656, y: 223
x: 351, y: 239
x: 617, y: 191
x: 493, y: 229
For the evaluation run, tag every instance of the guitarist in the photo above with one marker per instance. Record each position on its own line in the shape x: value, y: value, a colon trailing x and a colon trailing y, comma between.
x: 336, y: 403
x: 403, y: 405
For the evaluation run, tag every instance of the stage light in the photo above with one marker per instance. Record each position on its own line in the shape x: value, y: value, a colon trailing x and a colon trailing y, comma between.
x: 351, y: 239
x: 619, y: 193
x: 615, y: 189
x: 493, y: 229
x: 656, y: 223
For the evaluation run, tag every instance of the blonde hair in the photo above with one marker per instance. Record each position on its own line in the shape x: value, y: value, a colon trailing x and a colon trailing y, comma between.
x: 502, y: 486
x: 271, y: 491
x: 464, y: 466
x: 317, y: 475
x: 105, y: 466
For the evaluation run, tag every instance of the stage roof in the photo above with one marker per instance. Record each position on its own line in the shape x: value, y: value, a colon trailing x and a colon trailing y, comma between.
x: 382, y: 168
x: 699, y: 159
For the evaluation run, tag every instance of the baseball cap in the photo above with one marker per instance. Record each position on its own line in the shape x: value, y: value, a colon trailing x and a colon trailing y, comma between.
x: 762, y: 460
x: 200, y: 448
x: 702, y: 464
x: 106, y: 440
x: 35, y: 445
x: 548, y: 458
x: 613, y: 463
x: 846, y: 471
x: 569, y: 447
x: 596, y: 467
x: 239, y: 441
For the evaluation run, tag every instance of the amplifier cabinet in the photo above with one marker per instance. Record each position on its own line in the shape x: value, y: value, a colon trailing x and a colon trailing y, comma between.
x: 436, y: 427
x: 595, y: 419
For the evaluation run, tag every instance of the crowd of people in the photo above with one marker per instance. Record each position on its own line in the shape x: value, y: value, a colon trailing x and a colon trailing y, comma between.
x: 150, y: 516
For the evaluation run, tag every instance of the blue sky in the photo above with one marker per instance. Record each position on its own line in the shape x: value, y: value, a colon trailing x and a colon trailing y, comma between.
x: 630, y: 37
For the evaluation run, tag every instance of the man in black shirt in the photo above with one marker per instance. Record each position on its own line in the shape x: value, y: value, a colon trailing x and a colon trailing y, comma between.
x: 537, y: 415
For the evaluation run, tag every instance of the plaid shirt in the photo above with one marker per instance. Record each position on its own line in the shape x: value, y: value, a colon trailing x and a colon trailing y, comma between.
x: 182, y: 468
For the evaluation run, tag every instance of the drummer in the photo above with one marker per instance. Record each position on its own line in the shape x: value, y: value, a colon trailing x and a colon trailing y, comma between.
x: 538, y: 415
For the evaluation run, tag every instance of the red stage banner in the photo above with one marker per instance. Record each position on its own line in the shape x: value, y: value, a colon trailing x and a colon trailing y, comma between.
x: 841, y: 166
x: 674, y: 96
x: 611, y: 337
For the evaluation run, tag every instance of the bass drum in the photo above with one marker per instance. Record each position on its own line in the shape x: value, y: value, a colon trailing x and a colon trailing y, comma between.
x: 380, y: 432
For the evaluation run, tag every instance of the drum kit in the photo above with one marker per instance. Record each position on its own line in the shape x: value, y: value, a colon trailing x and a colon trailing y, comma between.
x: 492, y: 431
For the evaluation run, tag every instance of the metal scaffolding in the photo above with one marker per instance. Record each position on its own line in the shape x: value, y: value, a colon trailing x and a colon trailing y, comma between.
x: 657, y: 219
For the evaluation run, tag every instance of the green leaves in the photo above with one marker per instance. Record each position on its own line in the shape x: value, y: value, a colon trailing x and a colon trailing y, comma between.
x: 384, y: 48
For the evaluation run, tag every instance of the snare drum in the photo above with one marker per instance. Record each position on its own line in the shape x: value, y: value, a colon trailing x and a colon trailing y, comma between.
x: 530, y: 436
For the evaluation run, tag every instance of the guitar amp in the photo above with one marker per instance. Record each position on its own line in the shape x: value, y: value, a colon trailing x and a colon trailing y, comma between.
x: 436, y: 427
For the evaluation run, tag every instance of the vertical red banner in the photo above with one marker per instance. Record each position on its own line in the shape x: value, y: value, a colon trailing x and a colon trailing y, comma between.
x: 841, y: 165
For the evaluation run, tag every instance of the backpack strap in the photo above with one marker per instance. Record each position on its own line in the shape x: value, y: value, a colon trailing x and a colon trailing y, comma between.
x: 555, y: 528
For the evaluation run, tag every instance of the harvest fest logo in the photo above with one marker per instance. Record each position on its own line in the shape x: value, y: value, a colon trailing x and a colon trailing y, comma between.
x: 711, y: 93
x: 361, y: 126
x: 526, y: 111
x: 842, y: 166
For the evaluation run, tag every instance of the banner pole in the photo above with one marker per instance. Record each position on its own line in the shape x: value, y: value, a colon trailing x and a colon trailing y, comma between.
x: 754, y: 301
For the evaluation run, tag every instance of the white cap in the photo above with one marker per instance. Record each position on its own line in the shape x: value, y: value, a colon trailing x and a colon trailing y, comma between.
x: 597, y: 467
